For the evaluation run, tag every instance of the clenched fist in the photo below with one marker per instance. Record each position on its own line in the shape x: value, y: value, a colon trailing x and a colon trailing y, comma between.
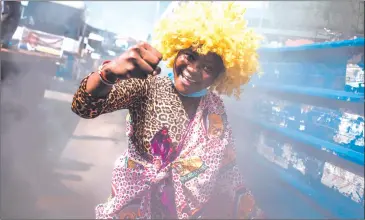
x: 137, y: 62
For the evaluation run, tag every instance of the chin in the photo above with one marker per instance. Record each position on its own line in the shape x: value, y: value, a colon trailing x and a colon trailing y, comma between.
x: 183, y: 85
x: 181, y: 88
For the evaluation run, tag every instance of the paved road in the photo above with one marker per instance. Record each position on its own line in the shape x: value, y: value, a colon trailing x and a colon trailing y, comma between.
x: 53, y: 164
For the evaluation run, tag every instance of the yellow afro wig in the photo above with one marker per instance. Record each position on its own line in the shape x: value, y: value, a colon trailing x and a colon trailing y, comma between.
x: 217, y: 27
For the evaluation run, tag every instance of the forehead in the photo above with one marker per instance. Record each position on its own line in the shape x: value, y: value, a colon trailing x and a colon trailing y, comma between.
x: 211, y: 57
x: 206, y: 58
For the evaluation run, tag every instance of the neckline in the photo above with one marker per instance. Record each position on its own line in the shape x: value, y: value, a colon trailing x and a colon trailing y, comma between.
x: 198, y: 94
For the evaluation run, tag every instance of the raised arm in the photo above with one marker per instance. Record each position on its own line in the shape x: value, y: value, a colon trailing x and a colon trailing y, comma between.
x: 121, y: 96
x: 118, y: 84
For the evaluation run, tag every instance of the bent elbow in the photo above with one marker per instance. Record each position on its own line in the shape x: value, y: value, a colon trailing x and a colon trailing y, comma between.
x: 83, y: 114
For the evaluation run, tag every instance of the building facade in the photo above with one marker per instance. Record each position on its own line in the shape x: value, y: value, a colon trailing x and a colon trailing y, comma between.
x: 307, y: 21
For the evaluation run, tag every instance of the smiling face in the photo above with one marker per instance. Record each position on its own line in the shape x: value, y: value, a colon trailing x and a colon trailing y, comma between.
x: 194, y: 72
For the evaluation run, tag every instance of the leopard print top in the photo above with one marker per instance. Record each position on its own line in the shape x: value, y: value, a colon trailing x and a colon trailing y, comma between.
x: 205, y: 173
x: 153, y: 103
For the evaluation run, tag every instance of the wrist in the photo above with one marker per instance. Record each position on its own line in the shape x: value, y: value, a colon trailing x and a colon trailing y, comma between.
x: 109, y: 75
x: 106, y: 73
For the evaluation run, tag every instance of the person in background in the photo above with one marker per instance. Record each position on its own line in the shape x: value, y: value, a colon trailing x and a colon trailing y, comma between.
x: 10, y: 17
x: 181, y: 160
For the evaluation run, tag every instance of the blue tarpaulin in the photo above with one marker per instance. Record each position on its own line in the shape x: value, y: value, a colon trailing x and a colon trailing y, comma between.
x: 302, y: 133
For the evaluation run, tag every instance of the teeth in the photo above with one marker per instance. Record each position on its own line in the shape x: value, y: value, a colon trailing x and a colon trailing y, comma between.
x: 183, y: 78
x: 187, y: 75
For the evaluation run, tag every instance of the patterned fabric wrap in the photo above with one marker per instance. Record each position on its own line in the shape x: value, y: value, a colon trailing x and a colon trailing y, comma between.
x: 198, y: 178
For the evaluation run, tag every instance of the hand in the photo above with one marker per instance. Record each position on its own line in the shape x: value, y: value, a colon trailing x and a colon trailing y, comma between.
x: 137, y: 62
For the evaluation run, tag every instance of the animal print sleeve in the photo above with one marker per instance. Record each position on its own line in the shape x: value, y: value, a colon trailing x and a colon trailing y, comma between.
x: 122, y: 96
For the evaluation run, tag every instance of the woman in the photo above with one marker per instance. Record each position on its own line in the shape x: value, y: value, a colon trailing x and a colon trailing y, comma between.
x: 10, y: 17
x: 180, y: 160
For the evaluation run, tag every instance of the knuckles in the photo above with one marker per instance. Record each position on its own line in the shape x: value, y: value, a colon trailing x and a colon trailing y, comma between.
x: 128, y: 59
x: 129, y: 66
x: 133, y: 54
x: 142, y: 44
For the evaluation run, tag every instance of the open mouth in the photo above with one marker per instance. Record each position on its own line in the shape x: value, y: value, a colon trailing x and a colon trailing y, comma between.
x: 186, y: 77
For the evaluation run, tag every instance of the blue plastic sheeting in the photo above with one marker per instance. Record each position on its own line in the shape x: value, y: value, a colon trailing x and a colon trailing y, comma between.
x: 318, y: 92
x: 359, y: 42
x: 304, y: 130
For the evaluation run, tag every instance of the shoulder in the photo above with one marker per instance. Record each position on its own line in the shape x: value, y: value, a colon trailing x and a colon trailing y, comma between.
x: 132, y: 83
x: 214, y: 103
x: 149, y: 83
x: 161, y: 83
x: 214, y: 97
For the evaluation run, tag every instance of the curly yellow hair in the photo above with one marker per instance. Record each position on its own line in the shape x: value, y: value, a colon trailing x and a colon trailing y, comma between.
x: 212, y: 27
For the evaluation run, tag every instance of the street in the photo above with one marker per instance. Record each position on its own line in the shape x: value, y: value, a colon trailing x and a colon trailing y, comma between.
x: 55, y: 164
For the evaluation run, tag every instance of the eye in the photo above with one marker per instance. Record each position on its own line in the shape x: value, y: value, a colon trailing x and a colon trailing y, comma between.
x: 208, y: 69
x: 189, y: 57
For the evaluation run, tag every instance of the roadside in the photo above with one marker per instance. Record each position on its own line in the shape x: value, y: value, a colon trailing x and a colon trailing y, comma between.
x: 53, y: 164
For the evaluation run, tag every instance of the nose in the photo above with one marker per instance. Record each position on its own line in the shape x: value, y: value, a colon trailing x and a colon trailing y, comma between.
x: 195, y: 72
x: 193, y: 68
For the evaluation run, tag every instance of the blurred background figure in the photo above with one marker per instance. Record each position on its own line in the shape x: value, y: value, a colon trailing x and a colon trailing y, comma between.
x: 10, y: 17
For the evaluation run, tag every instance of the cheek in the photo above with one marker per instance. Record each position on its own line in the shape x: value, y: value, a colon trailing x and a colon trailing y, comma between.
x: 208, y: 79
x: 180, y: 60
x: 178, y: 63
